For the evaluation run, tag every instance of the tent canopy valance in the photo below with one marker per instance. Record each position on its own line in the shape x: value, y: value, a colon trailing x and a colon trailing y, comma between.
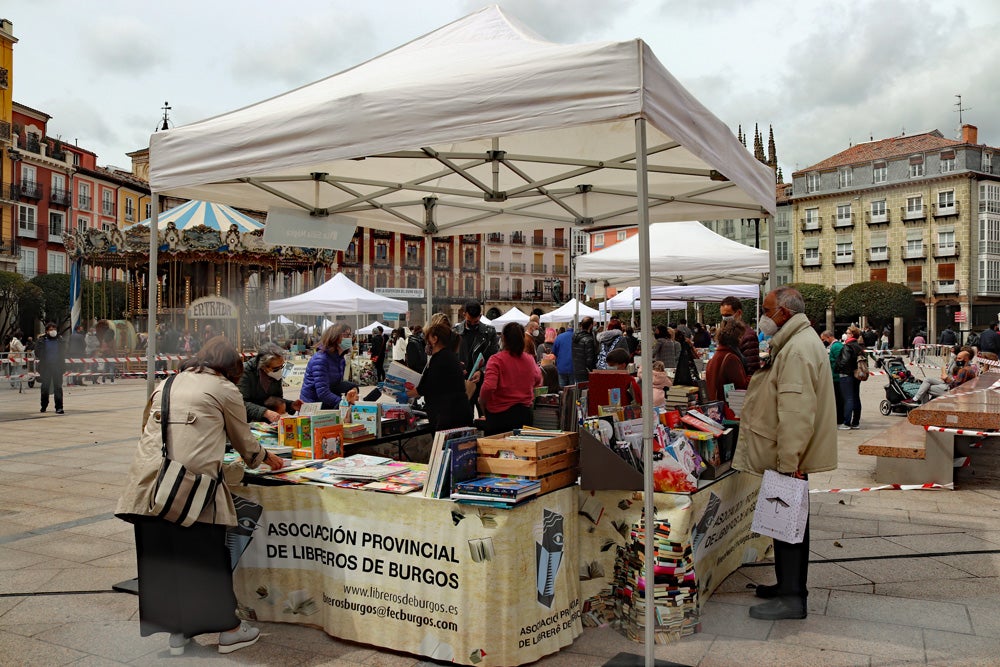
x: 568, y: 312
x: 681, y: 253
x: 338, y: 296
x: 629, y: 299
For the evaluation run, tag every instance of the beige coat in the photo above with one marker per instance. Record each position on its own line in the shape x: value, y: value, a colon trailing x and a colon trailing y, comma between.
x: 789, y: 418
x: 206, y: 409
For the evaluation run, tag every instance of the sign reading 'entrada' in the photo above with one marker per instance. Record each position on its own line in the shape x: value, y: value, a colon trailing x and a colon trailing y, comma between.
x: 213, y: 308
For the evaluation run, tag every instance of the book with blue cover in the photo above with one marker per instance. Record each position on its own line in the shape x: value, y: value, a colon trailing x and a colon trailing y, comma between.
x: 500, y: 487
x: 464, y: 455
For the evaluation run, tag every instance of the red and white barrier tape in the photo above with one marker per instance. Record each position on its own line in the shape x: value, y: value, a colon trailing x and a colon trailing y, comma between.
x: 962, y: 431
x: 890, y: 487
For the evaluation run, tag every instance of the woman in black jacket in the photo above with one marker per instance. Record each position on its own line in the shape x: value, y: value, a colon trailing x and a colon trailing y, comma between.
x: 261, y: 380
x: 443, y: 384
x: 687, y: 370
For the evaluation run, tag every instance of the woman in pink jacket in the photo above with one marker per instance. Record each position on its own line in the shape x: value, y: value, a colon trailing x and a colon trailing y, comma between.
x: 508, y: 390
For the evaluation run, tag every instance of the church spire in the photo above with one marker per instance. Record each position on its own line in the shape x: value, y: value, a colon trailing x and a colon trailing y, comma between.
x: 739, y: 135
x: 758, y: 145
x: 772, y: 157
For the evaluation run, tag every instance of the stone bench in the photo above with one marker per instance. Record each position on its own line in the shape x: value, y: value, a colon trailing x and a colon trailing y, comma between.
x: 905, y: 454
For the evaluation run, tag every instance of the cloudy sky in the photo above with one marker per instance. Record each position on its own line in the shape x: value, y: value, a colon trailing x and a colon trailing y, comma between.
x: 824, y: 74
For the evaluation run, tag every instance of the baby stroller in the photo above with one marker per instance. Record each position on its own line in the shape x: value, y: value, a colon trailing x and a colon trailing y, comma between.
x: 902, y: 385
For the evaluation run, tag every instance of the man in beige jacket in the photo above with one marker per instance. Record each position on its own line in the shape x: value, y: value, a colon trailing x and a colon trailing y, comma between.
x: 788, y: 424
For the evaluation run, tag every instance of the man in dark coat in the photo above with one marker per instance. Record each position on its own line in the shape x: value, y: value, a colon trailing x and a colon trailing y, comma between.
x: 378, y: 354
x: 584, y: 350
x: 51, y: 355
x: 989, y: 340
x: 475, y: 339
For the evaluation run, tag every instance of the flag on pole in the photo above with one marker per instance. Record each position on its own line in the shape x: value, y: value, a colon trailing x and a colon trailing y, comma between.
x: 75, y: 293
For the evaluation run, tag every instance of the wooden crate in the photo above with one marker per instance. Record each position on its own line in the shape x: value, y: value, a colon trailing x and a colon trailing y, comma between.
x: 554, y: 461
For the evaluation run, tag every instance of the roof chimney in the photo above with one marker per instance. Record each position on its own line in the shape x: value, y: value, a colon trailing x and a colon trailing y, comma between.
x: 970, y: 134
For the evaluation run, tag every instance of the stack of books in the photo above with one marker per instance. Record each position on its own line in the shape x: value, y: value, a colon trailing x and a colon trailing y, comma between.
x: 503, y: 492
x: 546, y: 413
x: 735, y: 400
x: 356, y: 433
x: 452, y: 459
x: 681, y: 396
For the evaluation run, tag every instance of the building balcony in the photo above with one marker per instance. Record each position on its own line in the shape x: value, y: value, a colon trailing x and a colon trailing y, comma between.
x: 494, y: 267
x: 539, y: 268
x: 470, y: 238
x: 907, y: 252
x: 26, y: 190
x: 811, y: 261
x: 841, y: 222
x: 83, y: 202
x: 560, y: 243
x: 841, y: 258
x: 470, y: 268
x: 517, y: 238
x: 881, y: 255
x: 350, y: 260
x: 32, y: 145
x: 877, y: 218
x: 382, y: 263
x: 912, y: 215
x: 442, y: 266
x: 55, y: 232
x: 4, y: 131
x: 60, y: 197
x: 560, y: 270
x: 411, y: 263
x: 517, y: 267
x: 946, y: 287
x: 945, y: 211
x: 380, y: 233
x: 107, y: 208
x: 951, y: 250
x: 10, y: 249
x: 539, y: 242
x: 917, y: 286
x: 493, y: 295
x: 811, y: 224
x: 494, y: 238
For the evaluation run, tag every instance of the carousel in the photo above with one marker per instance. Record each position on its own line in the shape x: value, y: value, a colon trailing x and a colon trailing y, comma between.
x: 214, y: 269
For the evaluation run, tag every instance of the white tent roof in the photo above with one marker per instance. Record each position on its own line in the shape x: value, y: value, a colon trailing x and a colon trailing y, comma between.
x: 280, y: 319
x: 370, y: 329
x: 435, y: 117
x: 705, y: 292
x: 338, y: 295
x: 567, y: 311
x: 515, y: 314
x: 628, y: 299
x: 681, y: 253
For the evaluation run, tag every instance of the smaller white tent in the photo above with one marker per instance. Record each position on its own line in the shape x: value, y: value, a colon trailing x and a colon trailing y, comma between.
x: 628, y: 299
x: 682, y: 253
x: 338, y: 295
x: 567, y: 311
x: 515, y: 314
x: 370, y: 329
x: 280, y: 319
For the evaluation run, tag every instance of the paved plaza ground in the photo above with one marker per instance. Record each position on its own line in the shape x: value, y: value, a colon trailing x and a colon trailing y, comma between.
x: 897, y: 577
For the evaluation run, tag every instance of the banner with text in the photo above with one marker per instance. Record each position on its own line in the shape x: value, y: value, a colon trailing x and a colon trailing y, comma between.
x: 471, y: 585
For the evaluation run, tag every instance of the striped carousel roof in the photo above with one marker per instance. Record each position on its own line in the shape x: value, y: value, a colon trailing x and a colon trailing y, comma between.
x: 214, y: 216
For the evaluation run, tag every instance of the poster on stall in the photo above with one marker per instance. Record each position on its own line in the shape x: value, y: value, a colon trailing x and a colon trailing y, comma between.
x: 460, y: 583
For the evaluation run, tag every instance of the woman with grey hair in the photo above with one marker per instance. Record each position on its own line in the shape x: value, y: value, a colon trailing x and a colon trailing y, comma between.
x: 261, y: 380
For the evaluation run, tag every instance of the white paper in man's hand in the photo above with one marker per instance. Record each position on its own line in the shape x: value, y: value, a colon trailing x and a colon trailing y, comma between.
x: 782, y: 507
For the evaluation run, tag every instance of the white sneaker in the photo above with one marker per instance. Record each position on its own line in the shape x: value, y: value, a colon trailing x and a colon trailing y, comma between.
x: 246, y: 635
x: 177, y: 643
x: 843, y: 427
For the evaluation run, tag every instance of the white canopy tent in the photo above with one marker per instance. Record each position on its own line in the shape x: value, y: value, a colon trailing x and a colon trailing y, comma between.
x: 338, y: 296
x: 515, y: 314
x: 370, y: 329
x: 280, y: 319
x: 582, y: 135
x: 686, y: 253
x: 629, y: 297
x: 569, y: 311
x: 323, y: 326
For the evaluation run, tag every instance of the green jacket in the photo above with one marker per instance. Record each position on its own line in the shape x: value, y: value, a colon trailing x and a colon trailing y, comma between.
x: 789, y: 418
x: 835, y: 348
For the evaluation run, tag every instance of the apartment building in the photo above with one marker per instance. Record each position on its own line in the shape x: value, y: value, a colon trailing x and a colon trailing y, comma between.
x: 922, y: 210
x: 8, y: 210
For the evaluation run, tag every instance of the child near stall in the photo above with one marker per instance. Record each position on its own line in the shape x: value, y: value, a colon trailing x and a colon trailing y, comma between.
x: 277, y: 404
x: 660, y: 383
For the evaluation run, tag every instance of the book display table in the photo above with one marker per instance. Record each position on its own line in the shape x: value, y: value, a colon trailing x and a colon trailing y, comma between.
x: 472, y: 585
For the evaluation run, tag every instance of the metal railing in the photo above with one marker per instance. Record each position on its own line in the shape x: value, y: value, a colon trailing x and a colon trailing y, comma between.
x: 539, y: 268
x: 494, y: 237
x: 880, y: 256
x: 843, y: 221
x: 83, y: 202
x: 907, y: 214
x: 951, y: 250
x: 26, y: 189
x: 811, y: 224
x: 877, y: 218
x: 494, y: 266
x: 917, y: 286
x: 517, y: 238
x: 60, y: 197
x: 539, y: 241
x: 942, y: 211
x: 913, y: 253
x: 811, y: 261
x: 517, y: 267
x: 842, y: 258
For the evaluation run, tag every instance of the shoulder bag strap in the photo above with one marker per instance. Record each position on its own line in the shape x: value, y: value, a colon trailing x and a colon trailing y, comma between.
x: 165, y: 411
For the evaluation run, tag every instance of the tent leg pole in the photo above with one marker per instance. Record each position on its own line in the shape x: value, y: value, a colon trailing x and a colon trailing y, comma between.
x: 151, y: 296
x: 428, y: 277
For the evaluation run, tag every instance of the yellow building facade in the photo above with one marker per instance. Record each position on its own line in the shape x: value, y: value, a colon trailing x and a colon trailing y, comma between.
x: 8, y: 245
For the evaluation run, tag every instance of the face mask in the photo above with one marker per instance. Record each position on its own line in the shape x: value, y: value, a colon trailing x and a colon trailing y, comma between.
x: 51, y: 334
x: 959, y: 364
x: 277, y: 375
x: 345, y: 344
x: 767, y: 325
x: 728, y: 318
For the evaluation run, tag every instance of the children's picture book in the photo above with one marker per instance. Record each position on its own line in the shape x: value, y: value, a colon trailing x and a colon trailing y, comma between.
x: 464, y: 454
x: 388, y: 486
x: 367, y: 414
x: 328, y: 441
x: 437, y: 467
x: 310, y: 409
x: 503, y: 487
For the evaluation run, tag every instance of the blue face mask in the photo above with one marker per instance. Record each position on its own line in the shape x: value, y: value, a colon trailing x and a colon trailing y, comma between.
x: 345, y: 344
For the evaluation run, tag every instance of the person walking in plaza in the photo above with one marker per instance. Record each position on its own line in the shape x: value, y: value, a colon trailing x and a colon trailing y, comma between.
x: 788, y: 425
x: 508, y: 390
x: 107, y: 350
x: 416, y: 349
x: 399, y: 345
x: 584, y: 351
x: 476, y: 339
x: 378, y: 347
x: 51, y: 355
x: 917, y: 349
x: 261, y: 380
x: 185, y: 573
x: 834, y: 347
x: 732, y: 308
x: 665, y: 348
x: 324, y: 379
x: 850, y: 386
x: 443, y: 384
x: 562, y: 348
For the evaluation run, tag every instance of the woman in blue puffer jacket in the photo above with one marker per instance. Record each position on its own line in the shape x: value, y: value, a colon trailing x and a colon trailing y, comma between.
x: 324, y: 381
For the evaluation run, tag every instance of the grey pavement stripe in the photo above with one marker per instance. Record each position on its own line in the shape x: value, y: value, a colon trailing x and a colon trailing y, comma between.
x: 45, y: 452
x: 928, y: 554
x: 40, y: 593
x: 7, y: 539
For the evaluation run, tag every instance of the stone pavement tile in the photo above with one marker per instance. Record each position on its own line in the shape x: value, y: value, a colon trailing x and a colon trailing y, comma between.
x: 205, y: 650
x: 850, y: 636
x: 124, y: 558
x: 29, y: 651
x: 561, y: 659
x: 70, y: 546
x: 389, y: 659
x: 88, y: 578
x: 886, y: 570
x: 979, y: 565
x: 95, y: 661
x: 28, y: 629
x: 25, y: 580
x: 991, y: 536
x: 114, y: 640
x: 689, y: 650
x: 978, y: 591
x: 899, y: 611
x: 890, y: 528
x: 78, y: 503
x: 731, y: 620
x: 313, y: 640
x: 847, y: 527
x: 941, y: 542
x: 323, y: 661
x: 965, y: 521
x: 604, y: 642
x: 44, y: 518
x: 985, y: 615
x: 72, y: 608
x: 962, y: 649
x: 8, y: 603
x: 100, y: 477
x: 114, y: 529
x: 738, y: 581
x: 831, y: 575
x: 735, y: 652
x: 857, y: 547
x: 863, y: 513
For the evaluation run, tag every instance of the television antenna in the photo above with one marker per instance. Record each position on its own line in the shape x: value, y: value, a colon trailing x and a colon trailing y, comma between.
x: 959, y: 109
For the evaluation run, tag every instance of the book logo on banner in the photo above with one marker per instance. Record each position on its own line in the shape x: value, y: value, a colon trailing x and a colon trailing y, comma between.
x: 548, y: 556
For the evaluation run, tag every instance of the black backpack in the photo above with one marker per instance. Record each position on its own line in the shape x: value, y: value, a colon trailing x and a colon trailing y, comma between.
x: 416, y: 354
